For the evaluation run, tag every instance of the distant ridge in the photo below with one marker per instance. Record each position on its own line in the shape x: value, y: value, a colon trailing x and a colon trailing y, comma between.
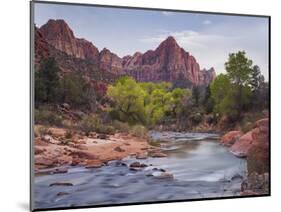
x: 168, y: 62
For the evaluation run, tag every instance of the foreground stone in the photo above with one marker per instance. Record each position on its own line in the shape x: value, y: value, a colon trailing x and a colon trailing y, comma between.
x: 93, y: 164
x: 62, y: 194
x: 119, y: 149
x: 86, y: 151
x: 254, y: 144
x: 141, y: 156
x: 230, y: 138
x: 50, y: 139
x: 258, y: 154
x: 242, y: 145
x: 137, y: 165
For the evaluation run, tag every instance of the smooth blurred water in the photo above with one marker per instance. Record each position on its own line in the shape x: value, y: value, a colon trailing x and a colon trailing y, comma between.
x: 201, y: 168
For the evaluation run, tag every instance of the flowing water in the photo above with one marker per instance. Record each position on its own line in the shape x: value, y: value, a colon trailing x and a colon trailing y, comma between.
x: 201, y: 168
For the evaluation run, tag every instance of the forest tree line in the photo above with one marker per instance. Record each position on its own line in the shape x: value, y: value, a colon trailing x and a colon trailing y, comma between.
x: 240, y: 90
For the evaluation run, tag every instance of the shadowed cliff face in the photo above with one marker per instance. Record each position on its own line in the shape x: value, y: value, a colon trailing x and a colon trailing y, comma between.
x: 58, y: 34
x: 168, y: 62
x: 41, y: 47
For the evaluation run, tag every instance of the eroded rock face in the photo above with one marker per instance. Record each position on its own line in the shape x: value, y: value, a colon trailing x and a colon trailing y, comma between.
x: 241, y: 147
x: 41, y: 47
x: 110, y: 62
x: 58, y: 34
x: 169, y: 62
x: 254, y: 145
x: 230, y: 138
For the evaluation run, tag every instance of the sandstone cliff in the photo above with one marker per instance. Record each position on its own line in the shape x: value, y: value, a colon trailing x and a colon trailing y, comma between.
x: 168, y: 62
x: 58, y: 34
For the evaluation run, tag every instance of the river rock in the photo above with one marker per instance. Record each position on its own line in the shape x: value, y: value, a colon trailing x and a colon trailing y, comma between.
x: 230, y: 138
x: 119, y: 149
x: 141, y: 157
x: 120, y: 163
x: 75, y: 161
x: 83, y: 154
x: 59, y: 170
x: 48, y: 162
x: 38, y: 150
x: 62, y: 194
x: 236, y: 177
x: 242, y: 145
x: 159, y: 169
x: 158, y: 155
x: 50, y: 139
x: 93, y: 164
x: 164, y: 175
x: 102, y: 136
x: 61, y: 184
x: 137, y: 165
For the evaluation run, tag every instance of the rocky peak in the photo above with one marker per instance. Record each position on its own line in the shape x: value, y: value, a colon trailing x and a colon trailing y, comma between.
x: 57, y: 30
x: 169, y: 41
x: 168, y: 62
x: 168, y: 45
x: 110, y: 62
x: 58, y: 34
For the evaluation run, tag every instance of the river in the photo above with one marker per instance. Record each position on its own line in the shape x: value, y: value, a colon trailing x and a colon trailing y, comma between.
x: 201, y: 168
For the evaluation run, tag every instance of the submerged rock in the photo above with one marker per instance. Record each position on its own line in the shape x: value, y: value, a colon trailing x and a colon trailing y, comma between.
x: 158, y: 154
x: 62, y: 194
x: 164, y: 175
x: 138, y: 165
x: 61, y: 184
x: 237, y: 177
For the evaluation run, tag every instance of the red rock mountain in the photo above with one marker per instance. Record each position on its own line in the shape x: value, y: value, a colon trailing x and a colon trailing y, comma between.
x: 168, y: 62
x: 58, y: 34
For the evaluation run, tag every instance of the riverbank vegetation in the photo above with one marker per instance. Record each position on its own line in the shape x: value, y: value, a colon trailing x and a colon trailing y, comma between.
x: 235, y: 99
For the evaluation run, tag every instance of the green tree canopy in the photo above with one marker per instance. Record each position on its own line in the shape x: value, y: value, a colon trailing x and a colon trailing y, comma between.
x: 128, y: 97
x: 232, y: 92
x: 47, y: 81
x: 147, y: 103
x: 239, y: 68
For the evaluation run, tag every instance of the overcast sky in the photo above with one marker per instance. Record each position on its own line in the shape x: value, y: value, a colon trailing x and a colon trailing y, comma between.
x: 210, y: 38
